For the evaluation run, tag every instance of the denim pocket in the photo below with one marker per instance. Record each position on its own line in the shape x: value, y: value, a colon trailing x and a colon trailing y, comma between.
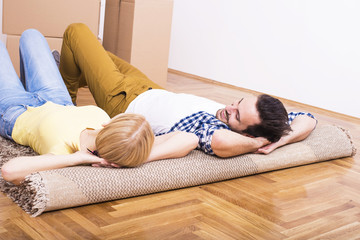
x: 8, y: 119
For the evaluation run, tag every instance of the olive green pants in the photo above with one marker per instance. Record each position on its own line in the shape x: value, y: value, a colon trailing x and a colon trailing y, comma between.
x: 113, y: 82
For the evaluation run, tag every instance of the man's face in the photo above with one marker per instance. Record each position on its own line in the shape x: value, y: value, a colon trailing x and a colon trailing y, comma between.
x: 240, y: 114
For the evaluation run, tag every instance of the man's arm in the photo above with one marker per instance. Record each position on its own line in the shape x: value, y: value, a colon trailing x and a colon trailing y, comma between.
x: 226, y: 143
x: 301, y: 127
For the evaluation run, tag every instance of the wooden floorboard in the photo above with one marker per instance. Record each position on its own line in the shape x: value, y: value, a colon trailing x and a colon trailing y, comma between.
x: 316, y: 201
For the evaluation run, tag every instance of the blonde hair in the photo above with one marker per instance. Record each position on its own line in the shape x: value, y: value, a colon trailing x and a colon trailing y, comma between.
x: 127, y: 140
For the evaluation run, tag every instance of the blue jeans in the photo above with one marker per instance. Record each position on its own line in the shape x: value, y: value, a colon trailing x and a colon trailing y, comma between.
x: 40, y: 80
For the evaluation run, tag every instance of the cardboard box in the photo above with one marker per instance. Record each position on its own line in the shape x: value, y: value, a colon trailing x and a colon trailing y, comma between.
x: 50, y: 17
x: 138, y: 31
x: 12, y: 45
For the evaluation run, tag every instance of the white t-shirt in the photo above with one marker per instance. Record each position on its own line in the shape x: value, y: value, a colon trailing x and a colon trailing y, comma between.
x: 162, y: 109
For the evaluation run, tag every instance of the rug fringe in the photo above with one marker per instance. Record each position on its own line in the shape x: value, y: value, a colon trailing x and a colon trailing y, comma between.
x: 347, y: 132
x: 30, y: 195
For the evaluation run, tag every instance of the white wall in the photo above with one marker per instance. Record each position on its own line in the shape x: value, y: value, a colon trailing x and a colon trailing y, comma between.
x: 305, y: 50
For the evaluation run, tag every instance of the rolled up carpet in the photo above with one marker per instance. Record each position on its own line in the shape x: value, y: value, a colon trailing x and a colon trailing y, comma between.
x: 81, y: 185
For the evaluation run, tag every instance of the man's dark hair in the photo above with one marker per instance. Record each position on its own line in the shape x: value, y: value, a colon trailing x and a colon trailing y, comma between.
x: 273, y: 117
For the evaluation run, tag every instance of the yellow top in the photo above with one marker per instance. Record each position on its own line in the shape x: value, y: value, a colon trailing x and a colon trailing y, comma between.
x: 53, y: 128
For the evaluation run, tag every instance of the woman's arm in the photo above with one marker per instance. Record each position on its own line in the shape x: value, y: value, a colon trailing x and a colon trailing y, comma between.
x: 18, y: 168
x: 301, y: 127
x: 173, y: 145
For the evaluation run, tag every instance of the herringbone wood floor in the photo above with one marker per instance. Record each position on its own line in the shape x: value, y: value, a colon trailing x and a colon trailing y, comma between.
x: 318, y: 201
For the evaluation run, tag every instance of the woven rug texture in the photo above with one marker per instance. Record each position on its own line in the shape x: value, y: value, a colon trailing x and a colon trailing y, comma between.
x: 81, y: 185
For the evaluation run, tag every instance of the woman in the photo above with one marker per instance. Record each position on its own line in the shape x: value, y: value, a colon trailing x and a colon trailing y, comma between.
x: 38, y: 112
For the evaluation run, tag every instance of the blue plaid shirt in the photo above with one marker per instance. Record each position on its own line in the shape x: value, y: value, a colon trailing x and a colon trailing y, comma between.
x: 203, y: 125
x: 293, y: 115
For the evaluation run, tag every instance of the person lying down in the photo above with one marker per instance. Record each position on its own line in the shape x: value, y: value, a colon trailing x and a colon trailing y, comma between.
x: 148, y: 123
x: 119, y: 87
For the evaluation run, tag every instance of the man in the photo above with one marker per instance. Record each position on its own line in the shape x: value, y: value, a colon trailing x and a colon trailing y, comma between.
x: 251, y: 124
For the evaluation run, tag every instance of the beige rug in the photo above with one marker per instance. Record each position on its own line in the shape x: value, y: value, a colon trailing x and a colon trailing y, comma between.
x: 81, y: 185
